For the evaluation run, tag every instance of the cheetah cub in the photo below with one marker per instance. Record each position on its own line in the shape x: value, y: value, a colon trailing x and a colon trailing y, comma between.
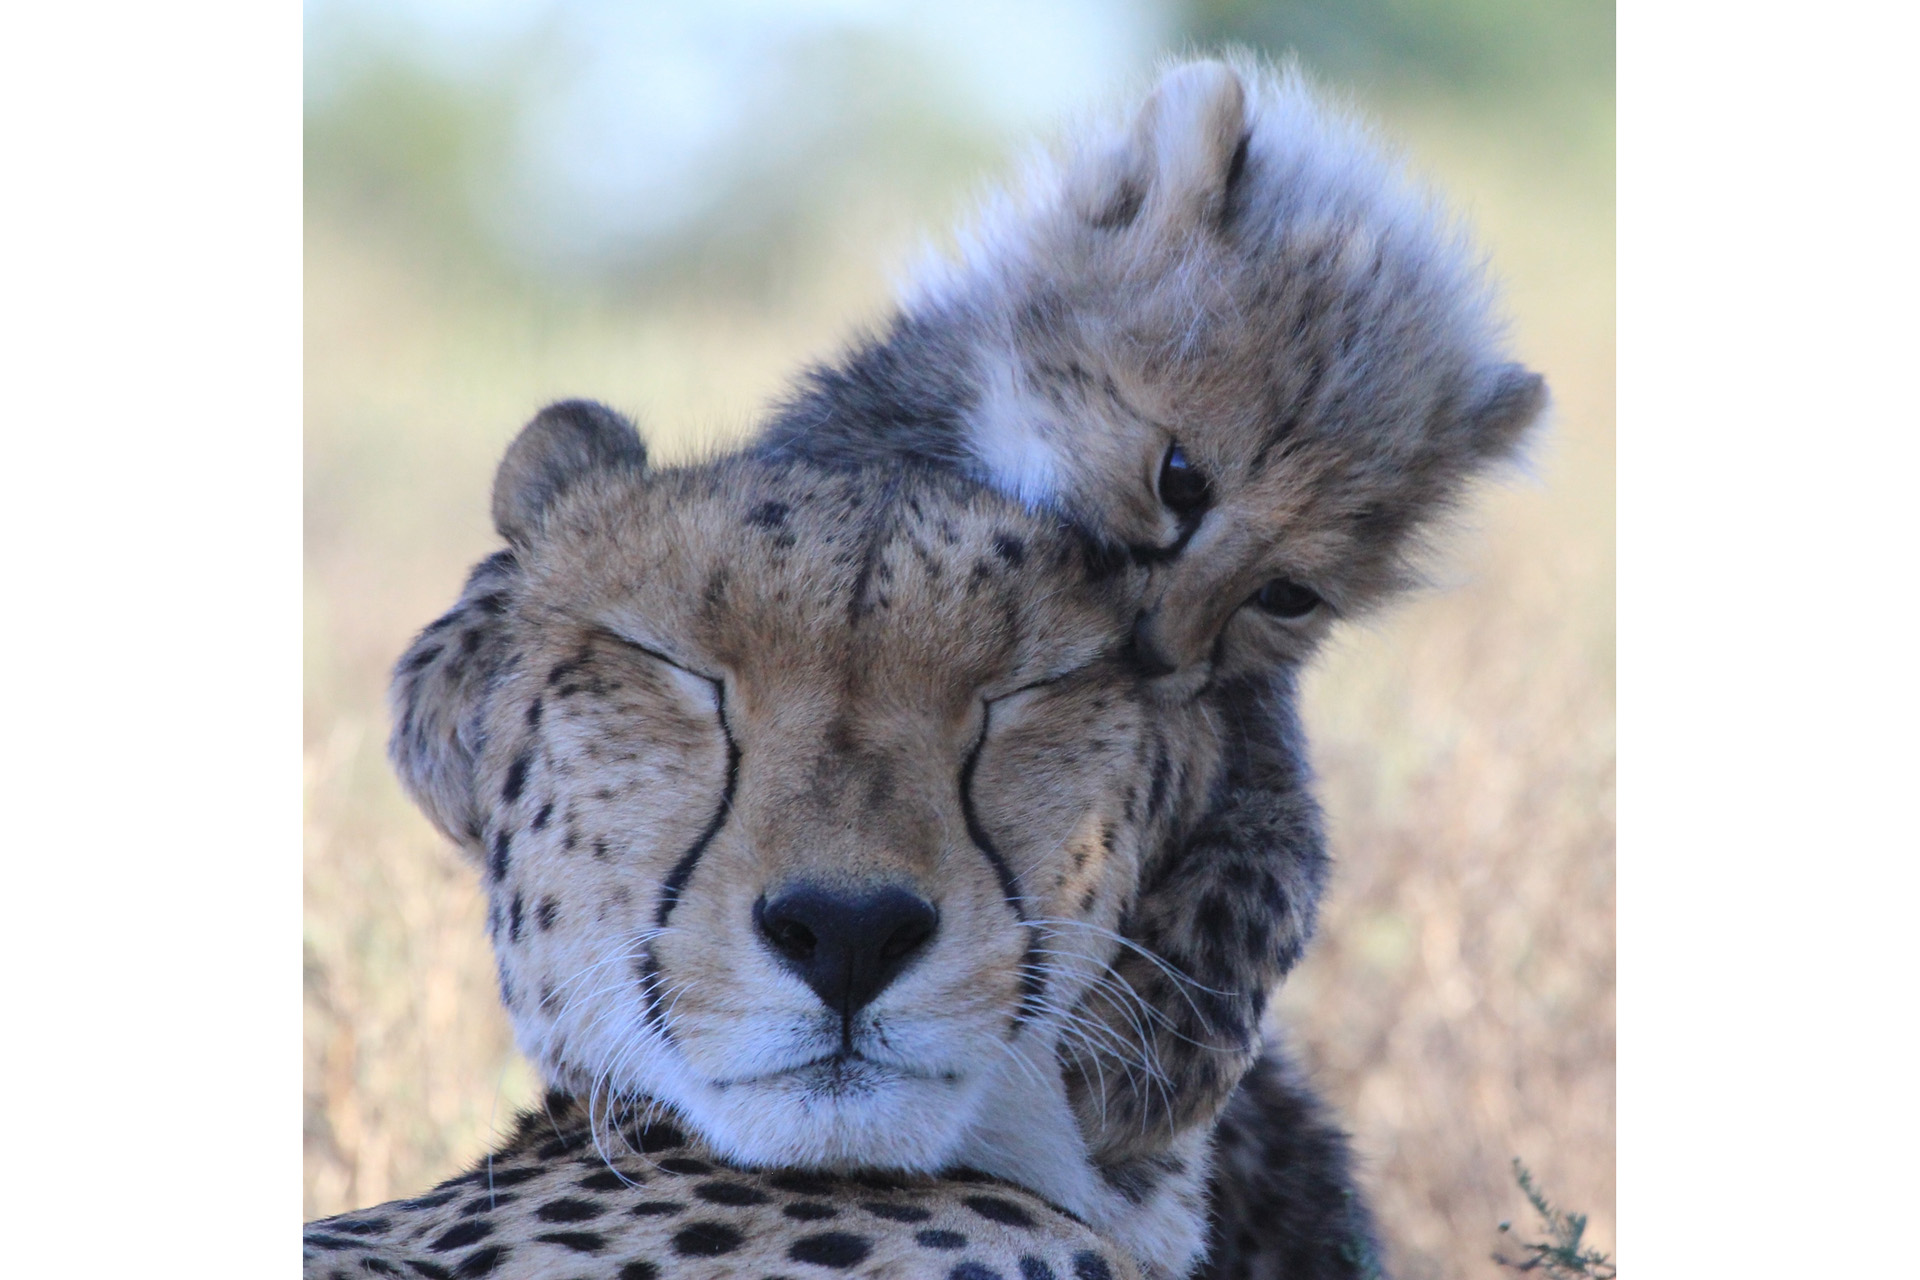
x: 1234, y: 341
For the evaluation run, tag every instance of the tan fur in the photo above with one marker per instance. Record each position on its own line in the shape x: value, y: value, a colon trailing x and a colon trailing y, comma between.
x: 707, y: 685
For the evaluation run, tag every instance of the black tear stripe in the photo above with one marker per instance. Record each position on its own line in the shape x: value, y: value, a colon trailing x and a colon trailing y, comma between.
x: 1031, y: 982
x: 677, y: 878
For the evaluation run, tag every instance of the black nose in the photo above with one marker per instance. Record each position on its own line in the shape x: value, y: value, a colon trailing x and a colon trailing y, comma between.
x: 1146, y: 659
x: 846, y: 945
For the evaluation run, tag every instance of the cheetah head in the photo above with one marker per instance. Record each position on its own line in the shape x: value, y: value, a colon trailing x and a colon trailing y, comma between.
x: 807, y: 801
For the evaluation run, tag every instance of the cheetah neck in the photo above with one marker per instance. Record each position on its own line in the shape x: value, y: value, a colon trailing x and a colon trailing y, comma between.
x: 1028, y: 1135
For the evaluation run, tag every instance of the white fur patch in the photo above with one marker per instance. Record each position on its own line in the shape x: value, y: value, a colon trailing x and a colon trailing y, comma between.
x: 1008, y: 438
x: 1027, y: 1134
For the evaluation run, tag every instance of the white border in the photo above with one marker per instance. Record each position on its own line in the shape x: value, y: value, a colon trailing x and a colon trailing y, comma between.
x: 1767, y: 458
x: 151, y: 250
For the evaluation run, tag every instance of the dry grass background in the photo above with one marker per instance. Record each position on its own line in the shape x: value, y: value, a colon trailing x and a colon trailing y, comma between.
x: 1457, y: 1006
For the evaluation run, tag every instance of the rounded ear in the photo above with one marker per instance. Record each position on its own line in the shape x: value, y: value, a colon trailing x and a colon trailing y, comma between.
x: 1182, y: 155
x: 1513, y: 401
x: 564, y: 442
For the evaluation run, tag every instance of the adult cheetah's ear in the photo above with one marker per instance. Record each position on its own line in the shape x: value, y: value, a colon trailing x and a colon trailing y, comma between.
x: 1513, y: 400
x: 1186, y: 148
x: 439, y: 696
x: 564, y: 442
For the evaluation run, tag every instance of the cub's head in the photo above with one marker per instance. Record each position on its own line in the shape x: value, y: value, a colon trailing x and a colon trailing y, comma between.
x: 1235, y: 337
x: 806, y: 801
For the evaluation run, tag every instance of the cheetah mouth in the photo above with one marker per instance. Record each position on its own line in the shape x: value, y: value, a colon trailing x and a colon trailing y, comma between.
x: 840, y: 1073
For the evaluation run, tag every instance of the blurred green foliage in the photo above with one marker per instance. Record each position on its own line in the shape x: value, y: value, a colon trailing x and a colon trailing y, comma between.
x: 500, y: 165
x: 1485, y: 49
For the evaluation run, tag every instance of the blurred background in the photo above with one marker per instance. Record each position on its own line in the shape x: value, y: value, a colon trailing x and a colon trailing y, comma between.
x: 671, y: 207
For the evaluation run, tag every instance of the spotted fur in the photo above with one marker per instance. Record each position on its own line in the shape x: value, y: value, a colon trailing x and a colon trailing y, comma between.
x: 634, y: 1199
x: 679, y: 694
x: 1241, y: 271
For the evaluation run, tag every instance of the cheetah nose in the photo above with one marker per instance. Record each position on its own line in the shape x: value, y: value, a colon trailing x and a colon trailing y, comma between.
x: 846, y: 945
x: 1143, y: 654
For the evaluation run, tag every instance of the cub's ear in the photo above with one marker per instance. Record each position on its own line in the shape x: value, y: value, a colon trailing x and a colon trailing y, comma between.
x: 1512, y: 400
x: 1181, y: 157
x: 564, y: 442
x: 439, y: 696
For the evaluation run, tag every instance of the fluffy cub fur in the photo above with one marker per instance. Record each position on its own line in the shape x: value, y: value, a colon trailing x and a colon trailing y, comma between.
x: 686, y: 708
x: 1240, y: 272
x: 1232, y: 337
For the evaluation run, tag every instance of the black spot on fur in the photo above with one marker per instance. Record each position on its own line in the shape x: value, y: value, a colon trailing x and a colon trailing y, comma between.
x: 769, y: 515
x: 1032, y: 1268
x: 430, y: 1270
x: 433, y: 1201
x: 836, y: 1249
x: 421, y: 659
x: 706, y: 1240
x: 464, y: 1234
x: 731, y: 1193
x: 578, y: 1241
x: 933, y: 1238
x: 1162, y: 772
x: 516, y: 777
x: 515, y: 915
x: 379, y: 1268
x: 319, y: 1241
x: 974, y: 1271
x: 540, y: 819
x: 497, y: 864
x: 686, y: 1164
x: 359, y: 1226
x: 533, y: 714
x: 895, y: 1212
x: 486, y: 1204
x: 1010, y: 549
x: 481, y: 1262
x: 661, y: 1137
x: 640, y: 1270
x: 569, y: 1210
x: 1134, y: 1179
x: 996, y: 1209
x: 655, y: 1208
x: 801, y: 1184
x: 562, y: 670
x: 545, y: 914
x: 1088, y: 1265
x: 809, y: 1211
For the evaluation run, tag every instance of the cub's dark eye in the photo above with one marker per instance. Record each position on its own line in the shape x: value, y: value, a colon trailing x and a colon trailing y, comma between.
x: 1284, y: 598
x: 1182, y: 487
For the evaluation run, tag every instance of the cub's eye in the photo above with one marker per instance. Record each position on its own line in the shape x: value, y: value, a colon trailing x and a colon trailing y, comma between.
x: 1182, y: 487
x: 1284, y: 598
